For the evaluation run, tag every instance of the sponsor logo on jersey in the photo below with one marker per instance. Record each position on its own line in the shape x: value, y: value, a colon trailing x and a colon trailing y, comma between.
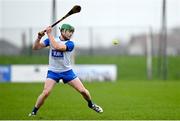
x: 56, y: 53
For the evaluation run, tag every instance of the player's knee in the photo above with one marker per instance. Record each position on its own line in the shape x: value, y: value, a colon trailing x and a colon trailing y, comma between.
x: 46, y: 92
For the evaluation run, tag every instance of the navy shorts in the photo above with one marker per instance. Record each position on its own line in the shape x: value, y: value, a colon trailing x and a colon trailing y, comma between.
x: 66, y: 76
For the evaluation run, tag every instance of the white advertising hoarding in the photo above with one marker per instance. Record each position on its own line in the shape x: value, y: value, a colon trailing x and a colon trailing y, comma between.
x: 28, y: 73
x: 96, y: 72
x: 37, y: 73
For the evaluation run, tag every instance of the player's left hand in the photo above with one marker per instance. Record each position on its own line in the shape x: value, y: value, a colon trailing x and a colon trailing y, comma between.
x: 41, y: 34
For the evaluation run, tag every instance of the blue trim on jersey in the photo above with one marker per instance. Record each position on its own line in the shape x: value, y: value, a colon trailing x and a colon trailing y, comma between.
x: 70, y: 45
x: 47, y: 42
x: 66, y: 76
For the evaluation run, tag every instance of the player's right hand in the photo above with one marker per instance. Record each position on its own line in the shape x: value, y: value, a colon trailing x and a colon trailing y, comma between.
x: 41, y: 34
x: 48, y: 30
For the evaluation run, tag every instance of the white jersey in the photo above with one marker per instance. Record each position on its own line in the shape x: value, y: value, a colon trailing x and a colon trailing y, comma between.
x: 59, y: 61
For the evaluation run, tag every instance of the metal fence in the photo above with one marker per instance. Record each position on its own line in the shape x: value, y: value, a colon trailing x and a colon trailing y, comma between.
x: 94, y: 40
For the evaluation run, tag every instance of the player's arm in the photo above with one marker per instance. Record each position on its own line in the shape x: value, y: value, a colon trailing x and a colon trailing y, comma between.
x: 57, y: 46
x: 38, y: 44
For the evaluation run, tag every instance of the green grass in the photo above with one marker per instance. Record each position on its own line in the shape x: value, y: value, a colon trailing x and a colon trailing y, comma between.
x: 121, y: 100
x: 24, y: 59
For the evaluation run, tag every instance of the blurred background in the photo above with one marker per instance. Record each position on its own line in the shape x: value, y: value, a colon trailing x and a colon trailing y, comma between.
x: 138, y: 78
x: 148, y: 33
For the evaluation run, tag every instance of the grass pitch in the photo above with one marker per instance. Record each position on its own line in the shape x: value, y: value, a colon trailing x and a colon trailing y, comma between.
x: 144, y: 100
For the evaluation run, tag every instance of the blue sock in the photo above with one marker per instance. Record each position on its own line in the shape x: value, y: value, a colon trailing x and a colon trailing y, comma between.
x: 35, y: 110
